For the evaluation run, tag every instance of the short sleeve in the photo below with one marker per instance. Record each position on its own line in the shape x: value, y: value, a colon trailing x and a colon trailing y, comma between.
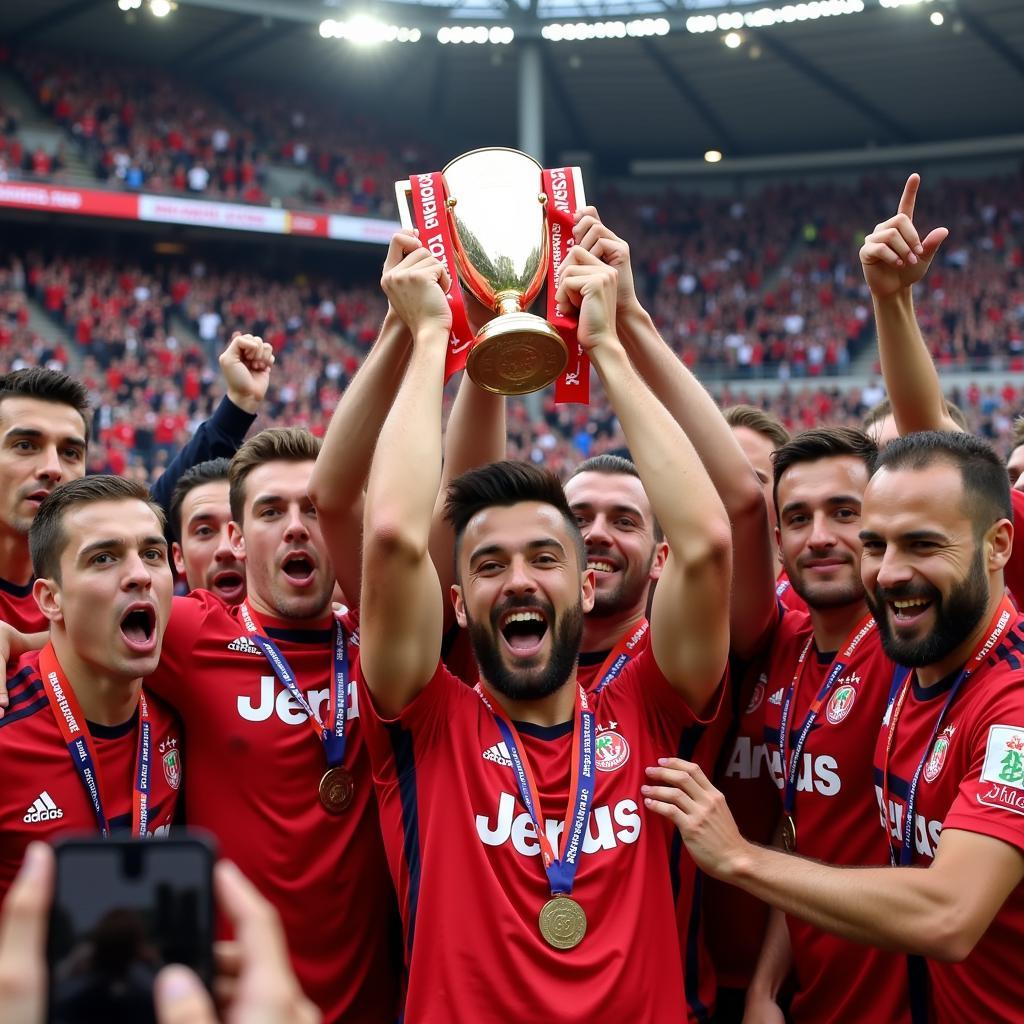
x: 420, y: 722
x: 990, y: 798
x: 188, y: 617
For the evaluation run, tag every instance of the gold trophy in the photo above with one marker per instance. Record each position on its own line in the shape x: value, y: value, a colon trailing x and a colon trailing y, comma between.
x: 495, y: 208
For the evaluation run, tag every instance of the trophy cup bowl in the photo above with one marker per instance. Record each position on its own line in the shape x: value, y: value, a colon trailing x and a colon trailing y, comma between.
x: 496, y: 211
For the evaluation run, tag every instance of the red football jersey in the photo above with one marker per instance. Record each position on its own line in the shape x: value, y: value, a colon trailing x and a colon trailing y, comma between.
x: 735, y: 921
x: 41, y: 793
x: 701, y: 744
x: 465, y: 858
x: 255, y: 771
x: 973, y: 780
x: 836, y: 817
x: 18, y: 608
x: 1014, y: 571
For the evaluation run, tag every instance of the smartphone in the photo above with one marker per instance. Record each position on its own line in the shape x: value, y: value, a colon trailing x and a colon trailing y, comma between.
x: 122, y: 909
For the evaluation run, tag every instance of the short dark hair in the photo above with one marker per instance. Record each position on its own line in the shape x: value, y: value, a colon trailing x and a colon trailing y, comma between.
x: 503, y: 484
x: 986, y: 486
x: 46, y: 536
x: 276, y: 444
x: 48, y: 386
x: 197, y: 475
x: 884, y: 408
x: 761, y: 422
x: 613, y: 465
x: 822, y: 443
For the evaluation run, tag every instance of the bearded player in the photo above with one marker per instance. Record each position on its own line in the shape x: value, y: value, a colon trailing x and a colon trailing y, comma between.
x: 598, y: 935
x: 949, y: 769
x: 78, y: 709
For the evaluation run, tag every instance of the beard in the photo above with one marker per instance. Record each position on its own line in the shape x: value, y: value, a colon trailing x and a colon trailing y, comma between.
x: 956, y: 616
x: 529, y: 683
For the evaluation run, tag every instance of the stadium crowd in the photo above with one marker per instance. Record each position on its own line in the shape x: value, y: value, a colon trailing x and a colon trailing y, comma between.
x: 743, y: 794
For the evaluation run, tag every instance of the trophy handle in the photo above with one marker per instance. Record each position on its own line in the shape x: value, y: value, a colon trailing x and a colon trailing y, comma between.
x: 403, y: 195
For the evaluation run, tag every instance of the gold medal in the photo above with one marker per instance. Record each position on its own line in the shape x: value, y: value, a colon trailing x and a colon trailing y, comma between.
x: 563, y: 922
x: 336, y: 790
x: 789, y: 833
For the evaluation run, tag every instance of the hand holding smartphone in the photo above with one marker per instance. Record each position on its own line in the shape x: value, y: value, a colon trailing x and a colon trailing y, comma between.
x: 122, y: 910
x: 253, y: 978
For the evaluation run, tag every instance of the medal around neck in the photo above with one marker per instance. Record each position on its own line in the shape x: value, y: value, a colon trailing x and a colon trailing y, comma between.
x: 789, y: 833
x: 563, y: 922
x: 337, y: 788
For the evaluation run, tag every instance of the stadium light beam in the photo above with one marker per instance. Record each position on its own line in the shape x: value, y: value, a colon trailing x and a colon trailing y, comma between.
x: 713, y: 156
x: 936, y: 18
x: 159, y: 8
x: 733, y: 40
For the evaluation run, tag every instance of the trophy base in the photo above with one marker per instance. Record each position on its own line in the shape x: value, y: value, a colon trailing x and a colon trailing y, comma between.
x: 516, y: 353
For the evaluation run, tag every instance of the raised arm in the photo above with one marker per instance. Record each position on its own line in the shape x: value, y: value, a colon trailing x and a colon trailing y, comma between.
x: 752, y: 609
x: 690, y: 616
x: 400, y: 606
x: 245, y: 366
x: 476, y: 435
x: 339, y: 477
x: 894, y: 258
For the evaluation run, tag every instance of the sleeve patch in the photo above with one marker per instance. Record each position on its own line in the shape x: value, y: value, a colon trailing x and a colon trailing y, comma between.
x: 1004, y: 757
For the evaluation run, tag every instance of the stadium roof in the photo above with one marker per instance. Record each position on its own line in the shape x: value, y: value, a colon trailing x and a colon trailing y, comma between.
x: 922, y: 71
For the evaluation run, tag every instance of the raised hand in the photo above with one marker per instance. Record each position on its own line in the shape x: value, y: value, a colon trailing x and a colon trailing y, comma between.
x: 592, y: 286
x: 245, y: 365
x: 416, y: 285
x: 894, y: 256
x: 596, y: 238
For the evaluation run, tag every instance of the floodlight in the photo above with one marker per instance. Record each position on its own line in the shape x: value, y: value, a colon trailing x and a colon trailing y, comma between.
x: 159, y: 8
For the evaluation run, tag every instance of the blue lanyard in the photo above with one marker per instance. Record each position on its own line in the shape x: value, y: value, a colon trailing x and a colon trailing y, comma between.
x: 791, y: 766
x: 333, y: 739
x: 560, y: 870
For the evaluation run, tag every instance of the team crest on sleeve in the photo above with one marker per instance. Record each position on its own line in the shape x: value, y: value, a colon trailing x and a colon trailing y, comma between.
x: 938, y: 755
x: 840, y: 704
x: 172, y: 762
x: 611, y: 749
x: 1004, y: 756
x: 757, y: 696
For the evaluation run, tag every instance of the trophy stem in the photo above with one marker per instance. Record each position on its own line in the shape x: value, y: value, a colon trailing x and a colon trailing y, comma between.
x: 508, y: 302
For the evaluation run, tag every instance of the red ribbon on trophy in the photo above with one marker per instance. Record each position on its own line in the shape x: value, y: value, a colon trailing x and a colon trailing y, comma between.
x: 428, y: 202
x: 573, y: 385
x: 429, y: 205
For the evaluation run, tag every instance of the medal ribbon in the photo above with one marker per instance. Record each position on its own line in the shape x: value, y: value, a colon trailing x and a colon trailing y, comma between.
x: 917, y: 970
x: 620, y: 655
x: 791, y: 765
x: 1005, y: 614
x: 561, y: 871
x: 333, y: 739
x: 71, y: 722
x: 430, y: 208
x: 559, y: 185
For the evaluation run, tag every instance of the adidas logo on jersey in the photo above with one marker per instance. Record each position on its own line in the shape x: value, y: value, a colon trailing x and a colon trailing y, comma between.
x: 244, y: 646
x: 43, y: 809
x: 776, y: 697
x: 498, y: 754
